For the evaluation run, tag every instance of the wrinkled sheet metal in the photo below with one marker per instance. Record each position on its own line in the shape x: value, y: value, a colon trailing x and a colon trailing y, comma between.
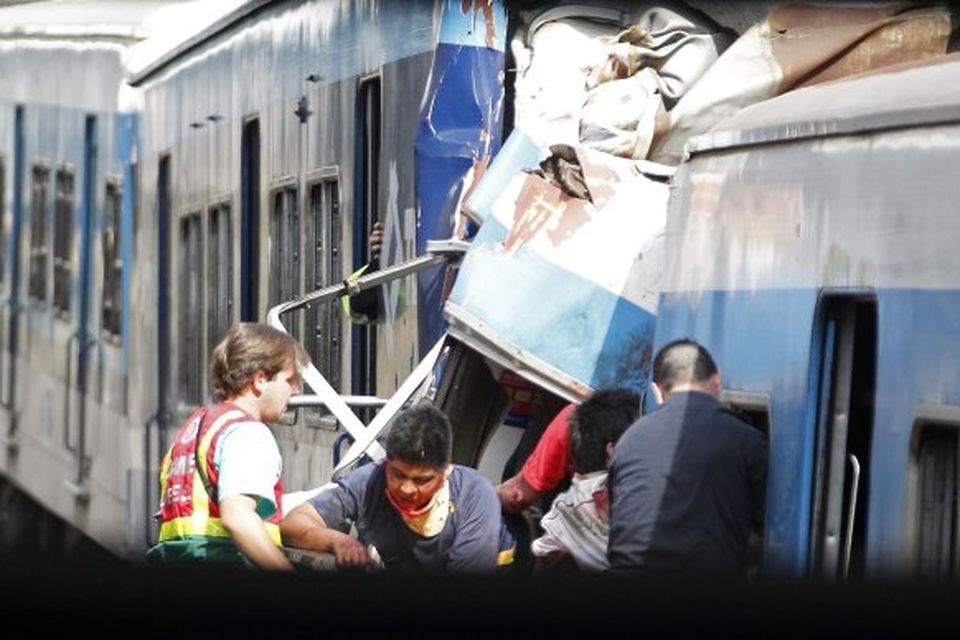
x: 564, y: 290
x: 460, y: 127
x: 518, y: 152
x: 606, y: 79
x: 798, y: 46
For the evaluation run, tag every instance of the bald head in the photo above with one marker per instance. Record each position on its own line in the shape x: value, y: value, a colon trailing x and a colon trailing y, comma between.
x: 685, y: 364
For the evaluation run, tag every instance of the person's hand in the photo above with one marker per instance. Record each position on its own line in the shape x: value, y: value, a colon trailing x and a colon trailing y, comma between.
x: 350, y: 553
x: 376, y: 240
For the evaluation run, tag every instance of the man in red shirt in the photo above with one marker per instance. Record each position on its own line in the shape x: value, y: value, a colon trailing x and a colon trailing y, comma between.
x: 549, y: 465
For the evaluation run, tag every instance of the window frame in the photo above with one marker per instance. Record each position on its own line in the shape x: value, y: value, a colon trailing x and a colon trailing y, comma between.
x: 3, y: 217
x: 220, y: 272
x: 64, y: 213
x: 329, y: 268
x: 190, y: 340
x: 288, y: 282
x: 112, y: 285
x: 39, y: 242
x: 943, y: 418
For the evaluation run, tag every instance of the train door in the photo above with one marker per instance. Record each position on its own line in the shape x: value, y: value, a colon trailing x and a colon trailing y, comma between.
x: 845, y: 392
x: 249, y: 219
x: 83, y: 344
x: 11, y: 306
x: 366, y: 213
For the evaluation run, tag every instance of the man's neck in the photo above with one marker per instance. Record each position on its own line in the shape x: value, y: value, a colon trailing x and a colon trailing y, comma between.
x: 248, y: 403
x: 688, y: 388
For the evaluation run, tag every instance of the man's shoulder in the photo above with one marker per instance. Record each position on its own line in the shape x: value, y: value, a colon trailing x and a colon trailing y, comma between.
x: 469, y: 476
x: 467, y: 481
x: 364, y: 474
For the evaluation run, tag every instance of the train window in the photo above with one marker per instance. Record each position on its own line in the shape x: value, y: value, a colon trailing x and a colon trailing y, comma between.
x: 3, y: 203
x: 285, y: 259
x: 936, y: 498
x: 285, y: 252
x: 220, y: 273
x: 112, y: 260
x: 752, y: 408
x: 324, y: 266
x: 190, y: 317
x: 38, y: 233
x: 63, y: 241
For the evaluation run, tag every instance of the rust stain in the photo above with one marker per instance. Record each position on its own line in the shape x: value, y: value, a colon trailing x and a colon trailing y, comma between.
x: 471, y: 179
x: 815, y: 44
x: 484, y: 7
x: 543, y: 207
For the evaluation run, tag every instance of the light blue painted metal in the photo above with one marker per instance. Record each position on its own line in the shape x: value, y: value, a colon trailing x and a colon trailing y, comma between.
x: 564, y: 290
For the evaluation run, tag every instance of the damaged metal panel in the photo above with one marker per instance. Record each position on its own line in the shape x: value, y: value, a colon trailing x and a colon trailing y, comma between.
x: 799, y: 46
x: 460, y: 128
x: 563, y: 290
x: 605, y: 77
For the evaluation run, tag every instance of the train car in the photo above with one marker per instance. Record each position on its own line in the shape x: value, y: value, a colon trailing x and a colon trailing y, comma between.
x: 270, y: 143
x: 811, y: 247
x: 67, y: 196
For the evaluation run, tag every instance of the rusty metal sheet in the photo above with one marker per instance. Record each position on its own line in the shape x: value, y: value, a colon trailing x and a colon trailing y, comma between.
x: 814, y: 44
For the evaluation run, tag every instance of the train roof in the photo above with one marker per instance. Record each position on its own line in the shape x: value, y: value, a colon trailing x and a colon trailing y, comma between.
x: 118, y: 21
x: 900, y: 96
x: 187, y: 32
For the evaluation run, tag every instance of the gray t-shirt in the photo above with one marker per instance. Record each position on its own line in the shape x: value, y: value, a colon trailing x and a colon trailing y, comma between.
x: 469, y: 541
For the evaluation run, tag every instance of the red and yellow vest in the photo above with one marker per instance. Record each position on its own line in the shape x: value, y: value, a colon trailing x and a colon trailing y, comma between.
x: 188, y: 494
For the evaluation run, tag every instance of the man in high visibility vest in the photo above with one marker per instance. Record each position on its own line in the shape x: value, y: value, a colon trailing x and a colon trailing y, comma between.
x: 220, y: 481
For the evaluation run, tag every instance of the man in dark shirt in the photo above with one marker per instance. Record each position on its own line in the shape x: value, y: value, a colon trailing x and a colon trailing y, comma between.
x: 687, y: 483
x: 414, y: 510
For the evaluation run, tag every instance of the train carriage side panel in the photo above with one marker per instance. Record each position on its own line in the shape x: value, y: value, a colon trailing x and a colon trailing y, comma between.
x: 774, y: 230
x: 294, y: 71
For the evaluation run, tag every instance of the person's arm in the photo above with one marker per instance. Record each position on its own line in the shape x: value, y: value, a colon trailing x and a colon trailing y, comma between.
x: 239, y: 516
x: 544, y: 470
x: 364, y: 307
x: 304, y: 528
x: 516, y: 494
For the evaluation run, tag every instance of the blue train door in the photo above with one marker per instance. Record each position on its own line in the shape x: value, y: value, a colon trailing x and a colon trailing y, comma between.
x: 11, y: 306
x: 845, y: 392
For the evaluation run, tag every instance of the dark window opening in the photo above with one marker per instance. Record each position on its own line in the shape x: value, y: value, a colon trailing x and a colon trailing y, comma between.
x: 936, y: 514
x: 112, y: 261
x: 39, y: 250
x: 366, y: 214
x: 220, y: 276
x: 249, y: 220
x: 164, y: 347
x: 192, y: 370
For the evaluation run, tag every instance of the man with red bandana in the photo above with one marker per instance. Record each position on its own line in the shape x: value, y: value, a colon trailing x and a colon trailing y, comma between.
x: 415, y: 510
